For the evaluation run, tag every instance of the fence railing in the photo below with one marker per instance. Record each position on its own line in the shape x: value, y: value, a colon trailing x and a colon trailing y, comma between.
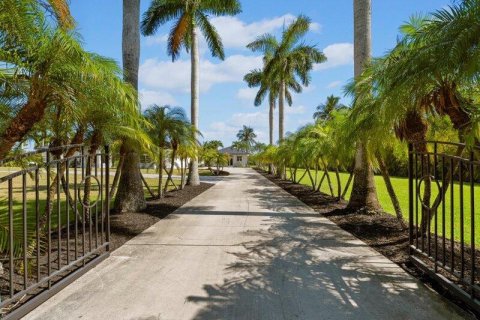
x: 443, y: 210
x: 54, y: 223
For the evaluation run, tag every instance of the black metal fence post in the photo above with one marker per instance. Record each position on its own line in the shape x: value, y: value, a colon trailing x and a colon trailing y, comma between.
x: 35, y: 237
x: 107, y: 194
x: 455, y: 268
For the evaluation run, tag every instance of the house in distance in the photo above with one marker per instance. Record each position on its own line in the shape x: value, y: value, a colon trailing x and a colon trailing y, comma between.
x: 236, y: 157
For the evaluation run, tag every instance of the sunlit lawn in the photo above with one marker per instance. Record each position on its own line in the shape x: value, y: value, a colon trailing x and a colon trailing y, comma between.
x: 42, y: 195
x: 401, y: 188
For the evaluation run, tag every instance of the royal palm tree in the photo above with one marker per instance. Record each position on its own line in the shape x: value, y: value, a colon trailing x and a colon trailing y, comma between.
x: 364, y: 193
x: 290, y: 59
x: 270, y: 86
x: 130, y: 196
x: 257, y: 78
x: 325, y: 110
x: 189, y: 15
x: 247, y: 136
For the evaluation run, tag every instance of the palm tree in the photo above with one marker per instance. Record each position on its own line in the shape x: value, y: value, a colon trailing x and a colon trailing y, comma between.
x: 410, y: 88
x: 189, y: 15
x: 130, y: 196
x: 257, y: 78
x: 61, y: 11
x: 46, y: 68
x: 247, y: 136
x: 364, y: 193
x: 290, y: 59
x: 324, y: 110
x: 168, y: 128
x: 166, y: 124
x: 212, y: 144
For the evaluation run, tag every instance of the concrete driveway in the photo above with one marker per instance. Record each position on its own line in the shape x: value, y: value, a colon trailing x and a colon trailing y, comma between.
x: 245, y: 249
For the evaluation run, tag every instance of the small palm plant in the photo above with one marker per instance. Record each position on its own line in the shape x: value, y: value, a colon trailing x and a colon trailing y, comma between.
x: 189, y: 16
x: 167, y: 127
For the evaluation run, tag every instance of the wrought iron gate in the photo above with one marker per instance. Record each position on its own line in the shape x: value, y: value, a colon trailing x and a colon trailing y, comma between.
x: 444, y: 232
x: 54, y: 223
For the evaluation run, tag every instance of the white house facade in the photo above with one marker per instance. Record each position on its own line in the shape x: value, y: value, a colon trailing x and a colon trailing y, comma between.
x: 236, y: 158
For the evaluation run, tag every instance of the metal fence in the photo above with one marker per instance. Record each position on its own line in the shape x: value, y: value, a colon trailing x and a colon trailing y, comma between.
x: 54, y: 223
x: 443, y: 192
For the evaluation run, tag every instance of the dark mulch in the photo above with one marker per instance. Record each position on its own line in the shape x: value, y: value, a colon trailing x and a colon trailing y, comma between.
x: 380, y: 231
x: 125, y: 226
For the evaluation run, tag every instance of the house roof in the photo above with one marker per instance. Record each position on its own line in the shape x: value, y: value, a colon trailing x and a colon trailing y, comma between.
x: 233, y: 151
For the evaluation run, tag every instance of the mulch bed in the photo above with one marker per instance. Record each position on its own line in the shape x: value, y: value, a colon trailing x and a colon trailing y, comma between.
x: 380, y: 231
x: 125, y: 226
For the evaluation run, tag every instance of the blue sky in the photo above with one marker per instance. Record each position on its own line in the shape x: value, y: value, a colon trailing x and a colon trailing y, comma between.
x: 226, y: 103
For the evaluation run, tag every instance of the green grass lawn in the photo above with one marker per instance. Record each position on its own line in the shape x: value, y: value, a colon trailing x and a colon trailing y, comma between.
x: 401, y: 188
x: 17, y: 204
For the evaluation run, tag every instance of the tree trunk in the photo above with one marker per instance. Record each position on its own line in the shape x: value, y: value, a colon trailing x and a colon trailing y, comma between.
x: 270, y: 121
x: 116, y: 178
x: 312, y: 181
x: 364, y: 193
x: 281, y: 112
x: 270, y: 129
x: 391, y: 190
x: 170, y: 173
x: 30, y: 114
x: 193, y: 176
x: 160, y: 173
x: 344, y: 193
x: 339, y: 183
x: 152, y: 194
x: 130, y: 196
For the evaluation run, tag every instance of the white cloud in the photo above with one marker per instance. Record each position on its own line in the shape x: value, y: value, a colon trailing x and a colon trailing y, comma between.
x: 227, y: 130
x: 235, y: 33
x: 334, y: 84
x: 154, y: 40
x: 338, y: 54
x: 248, y: 94
x: 257, y: 119
x: 149, y: 97
x: 176, y: 76
x: 295, y: 110
x: 315, y: 27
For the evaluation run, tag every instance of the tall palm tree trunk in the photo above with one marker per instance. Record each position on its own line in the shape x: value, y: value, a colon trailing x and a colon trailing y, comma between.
x: 130, y: 196
x: 270, y: 121
x: 270, y: 128
x: 281, y: 112
x: 364, y: 193
x: 193, y: 176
